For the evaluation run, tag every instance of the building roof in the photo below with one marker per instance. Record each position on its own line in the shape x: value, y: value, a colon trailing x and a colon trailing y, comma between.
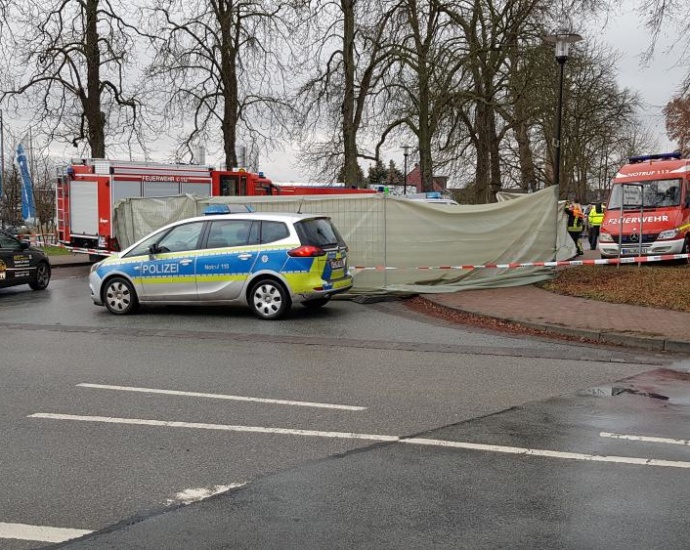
x: 414, y: 179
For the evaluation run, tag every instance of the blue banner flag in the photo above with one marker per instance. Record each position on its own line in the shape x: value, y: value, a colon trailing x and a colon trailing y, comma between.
x: 28, y: 205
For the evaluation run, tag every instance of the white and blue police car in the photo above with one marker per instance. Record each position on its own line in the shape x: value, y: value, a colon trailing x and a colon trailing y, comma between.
x: 266, y: 261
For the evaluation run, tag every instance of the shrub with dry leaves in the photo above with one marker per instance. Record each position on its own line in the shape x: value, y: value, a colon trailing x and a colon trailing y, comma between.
x: 654, y: 285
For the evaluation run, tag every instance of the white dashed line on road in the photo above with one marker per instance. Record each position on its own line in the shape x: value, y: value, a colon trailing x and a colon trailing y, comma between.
x: 226, y: 397
x: 637, y: 461
x: 646, y: 439
x: 39, y: 533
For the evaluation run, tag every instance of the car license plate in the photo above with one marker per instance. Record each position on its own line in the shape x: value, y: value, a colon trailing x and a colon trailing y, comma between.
x: 338, y: 264
x: 635, y: 251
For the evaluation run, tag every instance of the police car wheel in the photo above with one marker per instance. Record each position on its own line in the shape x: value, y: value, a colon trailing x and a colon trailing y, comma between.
x: 316, y: 304
x: 269, y: 300
x: 41, y: 277
x: 120, y: 297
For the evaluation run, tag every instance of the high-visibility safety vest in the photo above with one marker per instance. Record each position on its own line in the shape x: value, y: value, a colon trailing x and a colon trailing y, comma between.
x: 596, y: 215
x: 575, y: 217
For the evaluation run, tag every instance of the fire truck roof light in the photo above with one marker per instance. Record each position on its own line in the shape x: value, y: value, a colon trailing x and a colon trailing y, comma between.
x: 658, y: 156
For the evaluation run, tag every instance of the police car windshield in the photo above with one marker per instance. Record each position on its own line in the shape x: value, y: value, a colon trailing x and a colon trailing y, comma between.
x: 645, y: 194
x: 318, y: 232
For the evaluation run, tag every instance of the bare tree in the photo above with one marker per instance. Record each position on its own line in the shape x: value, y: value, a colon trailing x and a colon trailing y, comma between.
x: 222, y: 64
x: 421, y: 93
x: 69, y: 65
x: 352, y: 52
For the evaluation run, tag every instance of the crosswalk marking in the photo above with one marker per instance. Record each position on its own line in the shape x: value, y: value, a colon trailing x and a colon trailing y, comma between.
x: 40, y: 533
x: 227, y: 397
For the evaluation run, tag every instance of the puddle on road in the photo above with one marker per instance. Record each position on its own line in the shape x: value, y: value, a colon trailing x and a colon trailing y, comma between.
x: 671, y: 386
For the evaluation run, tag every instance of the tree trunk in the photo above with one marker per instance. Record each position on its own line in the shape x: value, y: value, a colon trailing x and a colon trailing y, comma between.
x: 528, y: 180
x: 229, y: 77
x: 92, y: 101
x: 483, y: 173
x: 349, y: 129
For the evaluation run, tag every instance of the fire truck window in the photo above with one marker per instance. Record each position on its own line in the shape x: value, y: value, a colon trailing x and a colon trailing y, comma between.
x: 670, y: 197
x: 228, y: 186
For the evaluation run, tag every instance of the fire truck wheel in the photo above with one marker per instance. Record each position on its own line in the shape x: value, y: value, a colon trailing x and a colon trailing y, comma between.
x: 41, y: 277
x: 269, y: 300
x: 120, y: 297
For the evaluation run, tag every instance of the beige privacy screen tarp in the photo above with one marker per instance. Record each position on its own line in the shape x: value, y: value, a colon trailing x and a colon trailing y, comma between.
x: 399, y: 245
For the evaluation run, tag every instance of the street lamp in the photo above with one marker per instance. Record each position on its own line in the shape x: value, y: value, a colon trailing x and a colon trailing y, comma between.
x: 406, y: 152
x: 562, y: 41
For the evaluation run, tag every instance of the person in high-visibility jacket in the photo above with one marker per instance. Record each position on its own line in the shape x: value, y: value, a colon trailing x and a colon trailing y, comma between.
x: 596, y: 218
x: 576, y: 223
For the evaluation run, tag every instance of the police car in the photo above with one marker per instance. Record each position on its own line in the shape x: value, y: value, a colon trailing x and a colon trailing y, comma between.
x: 21, y: 264
x: 267, y: 261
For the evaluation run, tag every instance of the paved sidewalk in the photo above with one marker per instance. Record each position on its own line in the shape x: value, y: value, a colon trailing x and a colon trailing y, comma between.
x: 632, y: 326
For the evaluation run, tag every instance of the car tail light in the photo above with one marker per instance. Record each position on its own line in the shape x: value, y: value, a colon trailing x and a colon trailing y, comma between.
x: 306, y: 251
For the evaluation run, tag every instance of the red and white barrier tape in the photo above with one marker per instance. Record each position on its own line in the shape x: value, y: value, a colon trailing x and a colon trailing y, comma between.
x: 513, y: 265
x: 94, y: 251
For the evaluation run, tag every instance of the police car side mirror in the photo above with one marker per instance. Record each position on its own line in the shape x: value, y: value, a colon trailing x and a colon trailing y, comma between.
x: 153, y: 249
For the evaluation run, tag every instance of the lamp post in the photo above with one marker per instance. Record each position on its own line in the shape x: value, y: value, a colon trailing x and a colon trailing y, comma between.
x: 406, y: 152
x: 562, y: 41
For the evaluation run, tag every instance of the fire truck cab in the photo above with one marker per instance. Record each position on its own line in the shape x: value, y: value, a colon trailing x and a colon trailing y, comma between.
x: 648, y: 212
x: 88, y: 190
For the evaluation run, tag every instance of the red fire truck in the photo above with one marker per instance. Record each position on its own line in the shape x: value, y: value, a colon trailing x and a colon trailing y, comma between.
x: 88, y: 189
x: 648, y: 212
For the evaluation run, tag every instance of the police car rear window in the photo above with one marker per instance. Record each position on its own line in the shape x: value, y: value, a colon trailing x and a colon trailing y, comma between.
x: 318, y: 232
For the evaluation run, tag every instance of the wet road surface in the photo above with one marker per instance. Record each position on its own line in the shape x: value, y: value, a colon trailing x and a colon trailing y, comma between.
x: 587, y: 484
x: 109, y: 420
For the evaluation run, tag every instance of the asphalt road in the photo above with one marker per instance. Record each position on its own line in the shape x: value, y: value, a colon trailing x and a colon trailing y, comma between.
x: 110, y: 420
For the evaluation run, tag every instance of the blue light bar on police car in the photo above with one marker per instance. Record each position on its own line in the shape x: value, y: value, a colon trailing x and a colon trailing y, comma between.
x: 214, y: 209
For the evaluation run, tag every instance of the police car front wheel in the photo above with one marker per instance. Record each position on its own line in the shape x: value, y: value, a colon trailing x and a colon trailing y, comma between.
x: 120, y: 297
x: 269, y: 300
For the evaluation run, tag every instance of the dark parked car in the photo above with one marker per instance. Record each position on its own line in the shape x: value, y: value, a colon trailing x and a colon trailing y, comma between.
x: 22, y: 264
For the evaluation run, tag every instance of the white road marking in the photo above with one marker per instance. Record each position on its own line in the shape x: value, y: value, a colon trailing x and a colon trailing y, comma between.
x: 550, y: 454
x: 373, y: 437
x: 222, y: 427
x: 196, y: 495
x: 646, y: 439
x: 41, y: 533
x: 227, y: 397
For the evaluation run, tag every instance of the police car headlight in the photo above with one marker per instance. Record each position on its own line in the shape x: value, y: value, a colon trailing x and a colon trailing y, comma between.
x: 668, y: 234
x: 95, y: 266
x: 605, y: 238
